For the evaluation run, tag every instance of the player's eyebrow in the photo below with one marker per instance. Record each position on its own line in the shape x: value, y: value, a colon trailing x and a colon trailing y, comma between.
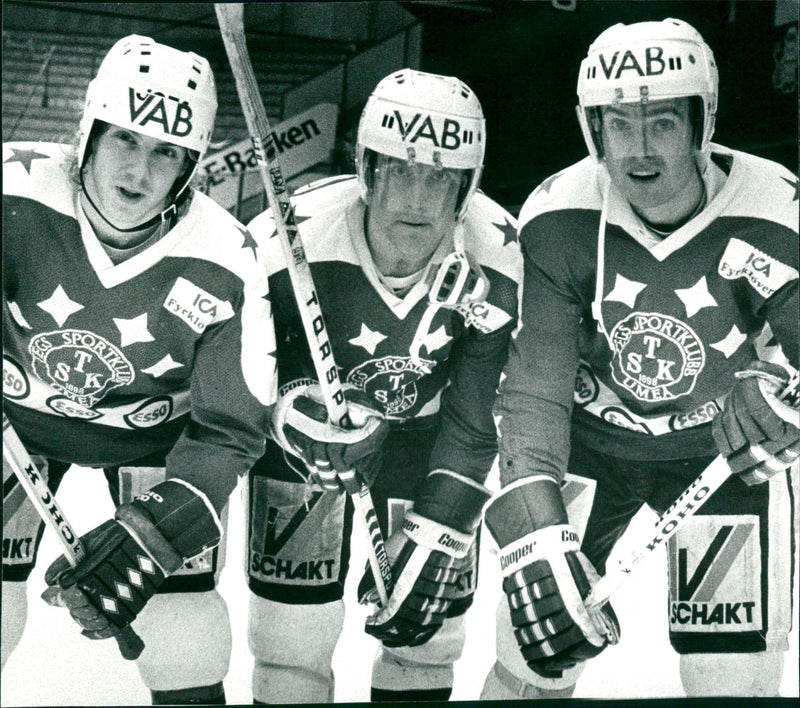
x: 671, y: 109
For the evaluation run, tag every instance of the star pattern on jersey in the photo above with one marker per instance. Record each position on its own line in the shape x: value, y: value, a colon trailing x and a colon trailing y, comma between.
x: 508, y: 230
x: 249, y: 241
x: 548, y: 183
x: 16, y: 313
x: 368, y: 339
x: 733, y: 340
x: 133, y: 330
x: 26, y: 157
x: 297, y: 220
x: 625, y: 291
x: 436, y: 340
x: 794, y: 185
x: 162, y: 367
x: 60, y: 306
x: 696, y: 298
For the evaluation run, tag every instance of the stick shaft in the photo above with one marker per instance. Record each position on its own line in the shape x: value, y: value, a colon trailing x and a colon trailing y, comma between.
x: 21, y: 464
x: 230, y: 17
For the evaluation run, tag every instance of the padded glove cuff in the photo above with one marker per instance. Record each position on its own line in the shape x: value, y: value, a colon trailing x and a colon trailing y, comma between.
x: 172, y: 522
x: 524, y: 506
x: 451, y: 499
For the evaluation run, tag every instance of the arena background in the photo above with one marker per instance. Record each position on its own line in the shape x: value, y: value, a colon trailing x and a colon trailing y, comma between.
x: 521, y: 58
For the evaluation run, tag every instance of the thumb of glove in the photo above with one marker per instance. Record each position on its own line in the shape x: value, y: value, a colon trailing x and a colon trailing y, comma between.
x: 59, y: 573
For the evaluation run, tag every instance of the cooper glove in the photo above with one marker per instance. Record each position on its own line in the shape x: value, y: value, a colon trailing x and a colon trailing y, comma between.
x: 429, y: 555
x: 129, y: 557
x: 546, y: 578
x: 337, y: 458
x: 758, y: 433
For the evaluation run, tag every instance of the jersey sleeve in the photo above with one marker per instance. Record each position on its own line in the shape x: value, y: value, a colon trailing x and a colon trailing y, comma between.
x: 233, y: 389
x: 534, y: 404
x: 467, y: 442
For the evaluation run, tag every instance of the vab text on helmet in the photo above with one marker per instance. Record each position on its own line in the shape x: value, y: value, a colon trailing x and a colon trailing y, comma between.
x: 174, y: 116
x: 439, y: 131
x: 610, y: 76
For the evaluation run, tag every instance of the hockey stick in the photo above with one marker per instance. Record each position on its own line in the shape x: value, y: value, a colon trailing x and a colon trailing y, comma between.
x: 18, y: 459
x: 685, y: 506
x: 230, y: 17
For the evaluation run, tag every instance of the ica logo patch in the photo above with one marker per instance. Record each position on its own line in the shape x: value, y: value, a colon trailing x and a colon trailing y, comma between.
x: 195, y: 306
x: 82, y: 365
x: 656, y: 357
x: 764, y: 273
x: 174, y: 116
x: 391, y: 381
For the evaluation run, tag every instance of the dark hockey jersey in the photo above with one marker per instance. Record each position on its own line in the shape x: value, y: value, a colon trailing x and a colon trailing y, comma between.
x: 99, y: 359
x: 647, y: 342
x: 411, y: 358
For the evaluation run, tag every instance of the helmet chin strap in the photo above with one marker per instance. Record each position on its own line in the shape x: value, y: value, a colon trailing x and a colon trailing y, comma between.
x: 168, y: 213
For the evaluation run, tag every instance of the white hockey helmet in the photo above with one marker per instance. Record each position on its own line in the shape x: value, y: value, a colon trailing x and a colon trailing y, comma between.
x: 154, y: 90
x: 426, y: 118
x: 647, y: 61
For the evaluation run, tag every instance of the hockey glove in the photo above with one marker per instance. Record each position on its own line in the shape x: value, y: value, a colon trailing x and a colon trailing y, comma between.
x: 338, y: 458
x: 758, y: 433
x: 128, y: 558
x: 429, y: 555
x: 546, y: 578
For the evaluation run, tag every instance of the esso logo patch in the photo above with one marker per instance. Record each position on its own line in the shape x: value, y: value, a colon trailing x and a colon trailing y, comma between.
x: 71, y: 409
x: 15, y: 380
x: 150, y: 414
x: 700, y: 415
x: 586, y: 386
x: 619, y: 417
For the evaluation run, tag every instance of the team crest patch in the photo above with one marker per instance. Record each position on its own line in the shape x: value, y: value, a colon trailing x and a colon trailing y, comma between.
x: 764, y: 273
x: 656, y: 357
x: 83, y: 366
x: 391, y: 381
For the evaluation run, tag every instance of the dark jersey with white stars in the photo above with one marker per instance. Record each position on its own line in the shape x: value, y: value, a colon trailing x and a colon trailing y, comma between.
x: 414, y: 360
x: 99, y: 359
x: 639, y: 351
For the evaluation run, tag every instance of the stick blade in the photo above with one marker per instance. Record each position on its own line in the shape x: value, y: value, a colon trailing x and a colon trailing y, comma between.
x: 230, y: 16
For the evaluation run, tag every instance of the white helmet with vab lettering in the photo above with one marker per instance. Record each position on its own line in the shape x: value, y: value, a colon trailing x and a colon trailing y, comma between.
x: 643, y: 62
x: 427, y: 118
x: 155, y: 90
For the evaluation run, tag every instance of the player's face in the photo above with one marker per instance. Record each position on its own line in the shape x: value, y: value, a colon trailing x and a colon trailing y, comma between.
x: 411, y: 209
x: 649, y: 153
x: 130, y: 175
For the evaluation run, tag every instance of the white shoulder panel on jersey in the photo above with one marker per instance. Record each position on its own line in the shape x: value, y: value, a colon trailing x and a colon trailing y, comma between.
x: 39, y: 171
x: 217, y: 236
x: 771, y: 189
x: 320, y: 210
x: 490, y: 236
x: 575, y: 187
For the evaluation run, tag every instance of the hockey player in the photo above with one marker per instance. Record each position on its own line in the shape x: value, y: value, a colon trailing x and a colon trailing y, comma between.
x: 137, y: 339
x: 402, y: 256
x: 661, y: 275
